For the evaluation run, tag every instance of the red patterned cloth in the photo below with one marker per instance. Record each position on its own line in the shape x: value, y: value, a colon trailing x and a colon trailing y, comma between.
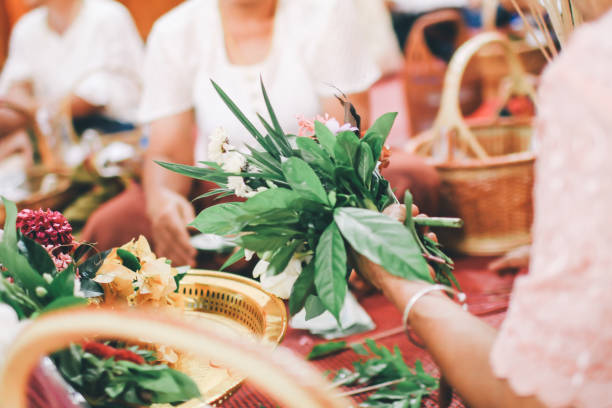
x: 488, y: 295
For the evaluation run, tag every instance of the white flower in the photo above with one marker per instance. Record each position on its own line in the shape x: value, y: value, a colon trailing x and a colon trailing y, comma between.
x: 237, y: 184
x: 248, y: 254
x: 233, y: 162
x: 254, y: 192
x: 281, y: 284
x: 333, y: 125
x: 216, y: 145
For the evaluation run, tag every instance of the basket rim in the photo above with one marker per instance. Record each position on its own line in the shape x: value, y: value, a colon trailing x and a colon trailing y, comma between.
x: 195, y: 273
x: 491, y: 162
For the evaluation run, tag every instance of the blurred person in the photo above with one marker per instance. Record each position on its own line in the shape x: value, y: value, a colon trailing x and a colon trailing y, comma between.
x: 88, y: 51
x: 554, y: 347
x: 306, y: 51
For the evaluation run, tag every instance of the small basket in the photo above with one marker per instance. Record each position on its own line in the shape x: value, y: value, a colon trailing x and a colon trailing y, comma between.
x: 424, y: 72
x: 486, y: 168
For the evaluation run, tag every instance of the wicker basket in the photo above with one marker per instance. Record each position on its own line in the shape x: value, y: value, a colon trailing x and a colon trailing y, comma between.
x: 486, y: 168
x: 424, y: 72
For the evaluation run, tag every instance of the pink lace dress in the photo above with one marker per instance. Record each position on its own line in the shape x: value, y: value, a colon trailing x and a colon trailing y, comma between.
x: 556, y: 342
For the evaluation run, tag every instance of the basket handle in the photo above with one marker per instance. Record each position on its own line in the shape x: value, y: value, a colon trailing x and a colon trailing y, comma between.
x: 280, y: 373
x: 417, y: 50
x: 449, y: 116
x: 489, y: 14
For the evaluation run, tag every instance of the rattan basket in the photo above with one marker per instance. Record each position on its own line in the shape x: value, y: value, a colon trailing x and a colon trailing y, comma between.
x: 424, y: 72
x: 279, y: 373
x: 486, y: 168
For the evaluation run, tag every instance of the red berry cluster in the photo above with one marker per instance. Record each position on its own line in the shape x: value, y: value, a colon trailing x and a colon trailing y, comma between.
x: 105, y: 352
x: 46, y: 227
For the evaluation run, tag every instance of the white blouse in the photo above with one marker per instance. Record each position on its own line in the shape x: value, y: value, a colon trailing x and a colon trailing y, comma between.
x: 316, y: 44
x: 99, y: 58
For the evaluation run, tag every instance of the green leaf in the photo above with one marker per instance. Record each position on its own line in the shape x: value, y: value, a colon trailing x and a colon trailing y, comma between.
x: 302, y: 178
x: 9, y: 236
x: 325, y: 137
x: 177, y: 280
x: 384, y: 241
x: 326, y: 349
x: 383, y: 125
x: 219, y: 219
x: 37, y: 256
x: 280, y: 260
x: 313, y: 307
x: 261, y: 242
x: 302, y: 288
x: 239, y: 115
x: 376, y: 142
x: 330, y: 270
x: 236, y: 256
x: 282, y: 141
x: 64, y: 302
x: 277, y: 198
x: 313, y: 154
x: 199, y: 173
x: 365, y: 164
x: 345, y: 150
x: 63, y: 284
x: 130, y: 260
x: 20, y: 269
x: 91, y: 289
x: 275, y: 216
x: 360, y: 349
x: 89, y: 268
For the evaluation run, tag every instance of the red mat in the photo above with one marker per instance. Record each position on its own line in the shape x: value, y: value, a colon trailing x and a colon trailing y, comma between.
x: 488, y: 295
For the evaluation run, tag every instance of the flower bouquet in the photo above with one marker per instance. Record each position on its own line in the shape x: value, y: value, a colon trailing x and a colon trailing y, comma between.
x: 312, y: 202
x: 42, y: 270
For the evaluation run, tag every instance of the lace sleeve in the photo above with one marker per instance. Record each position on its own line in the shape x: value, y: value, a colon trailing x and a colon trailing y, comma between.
x: 556, y: 342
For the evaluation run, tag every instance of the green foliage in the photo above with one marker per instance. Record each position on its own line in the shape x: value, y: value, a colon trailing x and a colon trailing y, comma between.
x: 110, y: 383
x: 368, y: 233
x: 326, y: 349
x: 323, y: 192
x: 128, y: 259
x: 330, y: 270
x: 382, y: 366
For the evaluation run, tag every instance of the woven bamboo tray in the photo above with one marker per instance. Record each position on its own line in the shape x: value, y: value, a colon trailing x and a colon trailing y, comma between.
x: 55, y: 199
x: 240, y: 307
x: 486, y: 169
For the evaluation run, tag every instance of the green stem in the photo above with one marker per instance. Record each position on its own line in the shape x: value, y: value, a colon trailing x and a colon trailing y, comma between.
x: 438, y: 222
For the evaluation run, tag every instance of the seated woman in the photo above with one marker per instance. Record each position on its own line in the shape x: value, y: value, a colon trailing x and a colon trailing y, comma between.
x: 305, y: 52
x: 87, y: 52
x: 555, y: 345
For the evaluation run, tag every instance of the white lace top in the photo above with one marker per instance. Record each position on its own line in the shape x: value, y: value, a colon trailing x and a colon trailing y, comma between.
x: 316, y: 43
x: 556, y: 341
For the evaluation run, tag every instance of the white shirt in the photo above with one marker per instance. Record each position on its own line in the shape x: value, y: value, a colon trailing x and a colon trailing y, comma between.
x: 98, y: 58
x: 422, y: 6
x: 315, y: 43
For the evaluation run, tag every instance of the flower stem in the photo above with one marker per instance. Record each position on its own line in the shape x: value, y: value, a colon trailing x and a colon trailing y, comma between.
x: 438, y: 222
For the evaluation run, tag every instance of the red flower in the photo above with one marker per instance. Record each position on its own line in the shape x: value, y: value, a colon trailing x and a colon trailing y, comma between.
x: 46, y: 228
x: 98, y: 349
x: 127, y: 355
x: 105, y: 352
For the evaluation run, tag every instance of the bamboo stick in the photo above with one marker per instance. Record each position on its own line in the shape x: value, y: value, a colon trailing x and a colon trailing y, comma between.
x: 531, y: 31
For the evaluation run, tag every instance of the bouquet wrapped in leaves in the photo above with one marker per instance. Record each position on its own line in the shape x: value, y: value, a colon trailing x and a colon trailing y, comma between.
x: 310, y: 201
x: 42, y: 270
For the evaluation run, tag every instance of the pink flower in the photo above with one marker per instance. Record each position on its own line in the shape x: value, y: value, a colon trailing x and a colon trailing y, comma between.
x: 48, y: 228
x: 307, y: 128
x: 60, y: 259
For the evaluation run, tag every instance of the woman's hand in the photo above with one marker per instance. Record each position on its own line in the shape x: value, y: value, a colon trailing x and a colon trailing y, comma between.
x: 396, y: 289
x: 169, y: 215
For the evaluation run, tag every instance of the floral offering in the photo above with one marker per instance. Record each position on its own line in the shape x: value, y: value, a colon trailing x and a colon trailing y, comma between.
x: 314, y: 201
x: 42, y: 270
